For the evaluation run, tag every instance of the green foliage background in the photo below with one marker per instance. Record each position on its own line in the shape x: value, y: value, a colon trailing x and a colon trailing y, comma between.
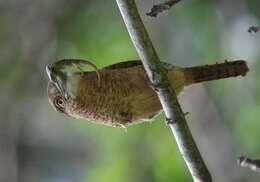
x: 42, y: 145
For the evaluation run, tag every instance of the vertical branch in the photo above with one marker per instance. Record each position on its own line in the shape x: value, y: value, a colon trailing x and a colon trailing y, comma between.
x: 160, y: 83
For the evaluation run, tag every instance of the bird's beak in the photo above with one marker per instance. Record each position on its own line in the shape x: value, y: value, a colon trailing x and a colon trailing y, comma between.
x: 49, y: 72
x: 52, y: 75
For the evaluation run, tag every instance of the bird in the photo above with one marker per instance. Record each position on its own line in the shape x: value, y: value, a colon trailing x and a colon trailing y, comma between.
x: 120, y: 95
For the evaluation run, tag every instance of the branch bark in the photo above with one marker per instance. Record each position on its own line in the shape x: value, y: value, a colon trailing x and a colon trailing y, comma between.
x: 160, y: 83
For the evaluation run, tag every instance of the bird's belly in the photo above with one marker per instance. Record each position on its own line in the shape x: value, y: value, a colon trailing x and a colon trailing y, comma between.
x: 104, y: 110
x: 117, y: 112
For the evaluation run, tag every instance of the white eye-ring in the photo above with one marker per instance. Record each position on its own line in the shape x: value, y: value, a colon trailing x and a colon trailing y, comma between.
x: 59, y: 102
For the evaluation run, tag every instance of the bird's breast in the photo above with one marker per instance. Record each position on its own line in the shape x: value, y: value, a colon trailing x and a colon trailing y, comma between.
x: 108, y: 101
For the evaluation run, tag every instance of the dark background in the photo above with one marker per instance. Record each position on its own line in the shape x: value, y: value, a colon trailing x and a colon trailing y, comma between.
x: 38, y: 144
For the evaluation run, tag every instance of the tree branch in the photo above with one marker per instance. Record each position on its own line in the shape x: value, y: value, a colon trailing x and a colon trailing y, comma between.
x: 161, y: 85
x: 159, y: 8
x: 253, y: 29
x: 254, y: 165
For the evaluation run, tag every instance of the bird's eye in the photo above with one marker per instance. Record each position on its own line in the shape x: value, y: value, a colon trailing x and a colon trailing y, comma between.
x: 59, y: 102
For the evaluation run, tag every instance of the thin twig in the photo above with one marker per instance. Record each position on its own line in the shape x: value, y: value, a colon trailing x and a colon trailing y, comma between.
x: 158, y: 8
x: 254, y: 165
x: 254, y: 29
x: 160, y: 83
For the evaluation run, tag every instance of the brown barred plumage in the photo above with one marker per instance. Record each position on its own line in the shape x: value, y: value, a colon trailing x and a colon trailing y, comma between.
x: 121, y: 94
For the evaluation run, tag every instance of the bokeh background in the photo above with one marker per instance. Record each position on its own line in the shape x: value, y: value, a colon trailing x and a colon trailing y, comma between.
x: 38, y: 144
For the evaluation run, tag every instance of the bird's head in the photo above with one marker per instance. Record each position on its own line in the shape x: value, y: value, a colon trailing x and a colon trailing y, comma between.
x: 56, y: 98
x: 58, y: 95
x: 64, y: 77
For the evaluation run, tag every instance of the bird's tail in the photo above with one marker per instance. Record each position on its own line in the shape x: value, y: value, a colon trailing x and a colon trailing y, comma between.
x: 216, y: 71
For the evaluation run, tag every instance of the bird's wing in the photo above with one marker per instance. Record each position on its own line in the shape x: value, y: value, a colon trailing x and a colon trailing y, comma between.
x: 133, y: 63
x: 122, y: 65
